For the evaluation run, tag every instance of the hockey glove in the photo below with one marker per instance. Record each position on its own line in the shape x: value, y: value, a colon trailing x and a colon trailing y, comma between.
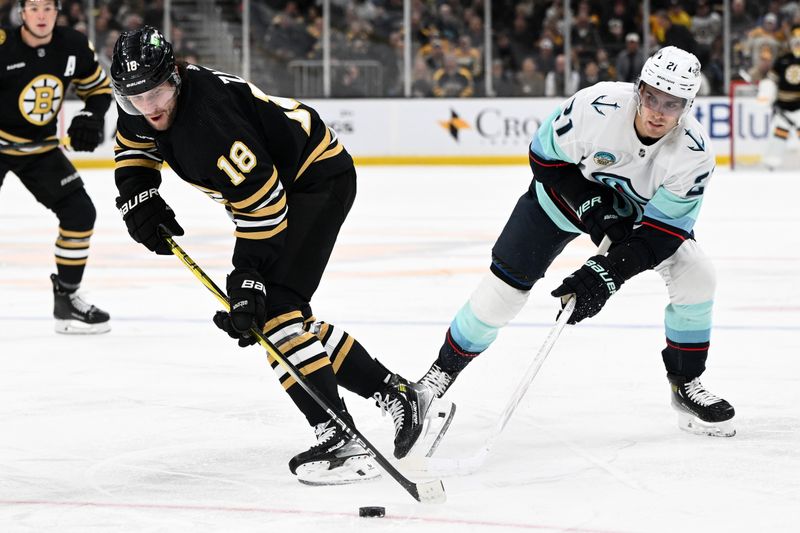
x: 598, y: 211
x: 592, y: 284
x: 86, y: 131
x: 247, y: 294
x: 144, y: 213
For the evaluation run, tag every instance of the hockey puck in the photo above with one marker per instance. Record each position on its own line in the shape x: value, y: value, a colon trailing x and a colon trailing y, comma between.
x: 372, y: 512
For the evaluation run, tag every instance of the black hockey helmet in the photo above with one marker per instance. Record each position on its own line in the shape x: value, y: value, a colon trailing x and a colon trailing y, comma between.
x: 56, y: 2
x: 142, y: 60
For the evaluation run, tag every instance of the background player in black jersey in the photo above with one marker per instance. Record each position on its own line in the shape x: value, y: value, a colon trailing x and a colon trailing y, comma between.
x: 288, y: 184
x: 38, y: 61
x: 781, y: 88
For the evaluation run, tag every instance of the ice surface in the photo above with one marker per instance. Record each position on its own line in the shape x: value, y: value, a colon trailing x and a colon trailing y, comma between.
x: 164, y: 425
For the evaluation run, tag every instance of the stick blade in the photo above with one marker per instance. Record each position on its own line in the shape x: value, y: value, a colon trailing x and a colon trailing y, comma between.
x: 431, y: 492
x: 446, y: 466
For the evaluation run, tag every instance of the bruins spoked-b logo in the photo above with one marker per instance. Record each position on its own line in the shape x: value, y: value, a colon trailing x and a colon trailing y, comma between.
x: 41, y: 99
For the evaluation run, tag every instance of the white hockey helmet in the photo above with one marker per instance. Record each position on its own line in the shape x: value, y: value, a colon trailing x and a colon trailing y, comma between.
x: 674, y: 71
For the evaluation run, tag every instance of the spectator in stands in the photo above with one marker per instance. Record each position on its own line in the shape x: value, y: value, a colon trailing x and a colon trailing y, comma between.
x: 554, y: 82
x: 74, y: 12
x: 675, y: 34
x: 394, y: 65
x: 608, y: 70
x: 706, y: 26
x: 422, y: 84
x: 521, y: 37
x: 505, y: 52
x: 677, y: 15
x: 448, y: 24
x: 631, y: 60
x: 590, y: 75
x: 741, y: 21
x: 452, y: 80
x: 585, y: 37
x: 469, y: 57
x: 530, y: 82
x: 349, y: 83
x: 613, y: 37
x: 546, y: 57
x: 433, y: 53
x: 474, y: 28
x: 501, y: 80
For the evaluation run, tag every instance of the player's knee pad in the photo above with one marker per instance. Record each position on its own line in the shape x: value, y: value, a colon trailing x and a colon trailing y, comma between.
x: 690, y: 275
x: 495, y: 303
x: 76, y: 212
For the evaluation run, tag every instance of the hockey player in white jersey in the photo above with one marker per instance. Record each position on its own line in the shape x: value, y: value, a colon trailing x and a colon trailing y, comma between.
x: 627, y: 161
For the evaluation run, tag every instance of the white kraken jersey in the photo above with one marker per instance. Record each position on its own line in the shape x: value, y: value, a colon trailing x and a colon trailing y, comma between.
x: 664, y: 181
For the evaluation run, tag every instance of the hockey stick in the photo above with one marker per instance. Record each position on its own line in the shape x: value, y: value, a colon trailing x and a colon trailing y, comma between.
x: 782, y: 113
x: 63, y: 141
x: 468, y: 465
x: 426, y: 492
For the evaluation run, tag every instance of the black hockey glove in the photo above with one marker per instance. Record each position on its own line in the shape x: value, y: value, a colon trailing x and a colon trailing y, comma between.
x: 247, y: 294
x: 86, y: 131
x: 592, y: 284
x: 144, y: 213
x: 597, y: 211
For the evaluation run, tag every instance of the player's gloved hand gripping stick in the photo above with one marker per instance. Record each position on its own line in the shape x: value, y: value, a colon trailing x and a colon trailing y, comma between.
x: 427, y: 492
x: 467, y: 465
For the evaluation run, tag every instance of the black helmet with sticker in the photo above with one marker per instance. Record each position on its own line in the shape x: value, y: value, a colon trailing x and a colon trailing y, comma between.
x: 141, y: 61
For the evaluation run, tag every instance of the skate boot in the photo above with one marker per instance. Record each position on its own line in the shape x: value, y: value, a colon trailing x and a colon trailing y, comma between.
x: 336, y: 459
x: 420, y: 421
x: 75, y: 316
x: 699, y: 411
x: 438, y: 380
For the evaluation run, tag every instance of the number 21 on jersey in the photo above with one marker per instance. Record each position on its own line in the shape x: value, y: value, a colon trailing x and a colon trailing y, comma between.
x: 239, y: 162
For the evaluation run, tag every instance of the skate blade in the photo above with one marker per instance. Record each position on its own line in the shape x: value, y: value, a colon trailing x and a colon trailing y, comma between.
x: 437, y: 421
x: 352, y: 470
x: 692, y: 424
x: 76, y: 327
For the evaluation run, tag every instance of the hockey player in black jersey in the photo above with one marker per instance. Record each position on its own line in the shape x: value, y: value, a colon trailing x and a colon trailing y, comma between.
x: 781, y: 88
x: 288, y: 184
x: 38, y: 61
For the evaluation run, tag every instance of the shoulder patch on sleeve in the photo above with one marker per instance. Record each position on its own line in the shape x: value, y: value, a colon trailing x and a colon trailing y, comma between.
x: 600, y: 102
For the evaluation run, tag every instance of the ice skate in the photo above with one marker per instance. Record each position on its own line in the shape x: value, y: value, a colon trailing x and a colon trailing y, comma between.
x: 420, y: 420
x: 437, y: 380
x: 73, y: 315
x: 699, y: 411
x: 336, y: 459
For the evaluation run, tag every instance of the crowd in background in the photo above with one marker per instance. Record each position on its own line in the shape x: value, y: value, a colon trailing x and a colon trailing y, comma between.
x: 110, y: 19
x: 448, y: 47
x: 527, y: 41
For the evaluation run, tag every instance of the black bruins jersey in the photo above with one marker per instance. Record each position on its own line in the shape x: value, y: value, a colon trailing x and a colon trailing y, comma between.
x: 34, y: 81
x: 241, y: 147
x: 786, y: 75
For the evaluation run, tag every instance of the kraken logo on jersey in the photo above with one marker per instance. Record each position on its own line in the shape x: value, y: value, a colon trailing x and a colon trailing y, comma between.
x: 41, y: 99
x: 793, y: 74
x: 628, y: 201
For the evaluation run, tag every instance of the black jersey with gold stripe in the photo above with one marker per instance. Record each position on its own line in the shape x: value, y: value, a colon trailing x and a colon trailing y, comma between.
x: 34, y: 81
x: 241, y: 147
x: 786, y: 75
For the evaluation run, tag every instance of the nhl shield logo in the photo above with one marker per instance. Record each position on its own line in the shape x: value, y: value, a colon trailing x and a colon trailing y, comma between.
x: 604, y: 158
